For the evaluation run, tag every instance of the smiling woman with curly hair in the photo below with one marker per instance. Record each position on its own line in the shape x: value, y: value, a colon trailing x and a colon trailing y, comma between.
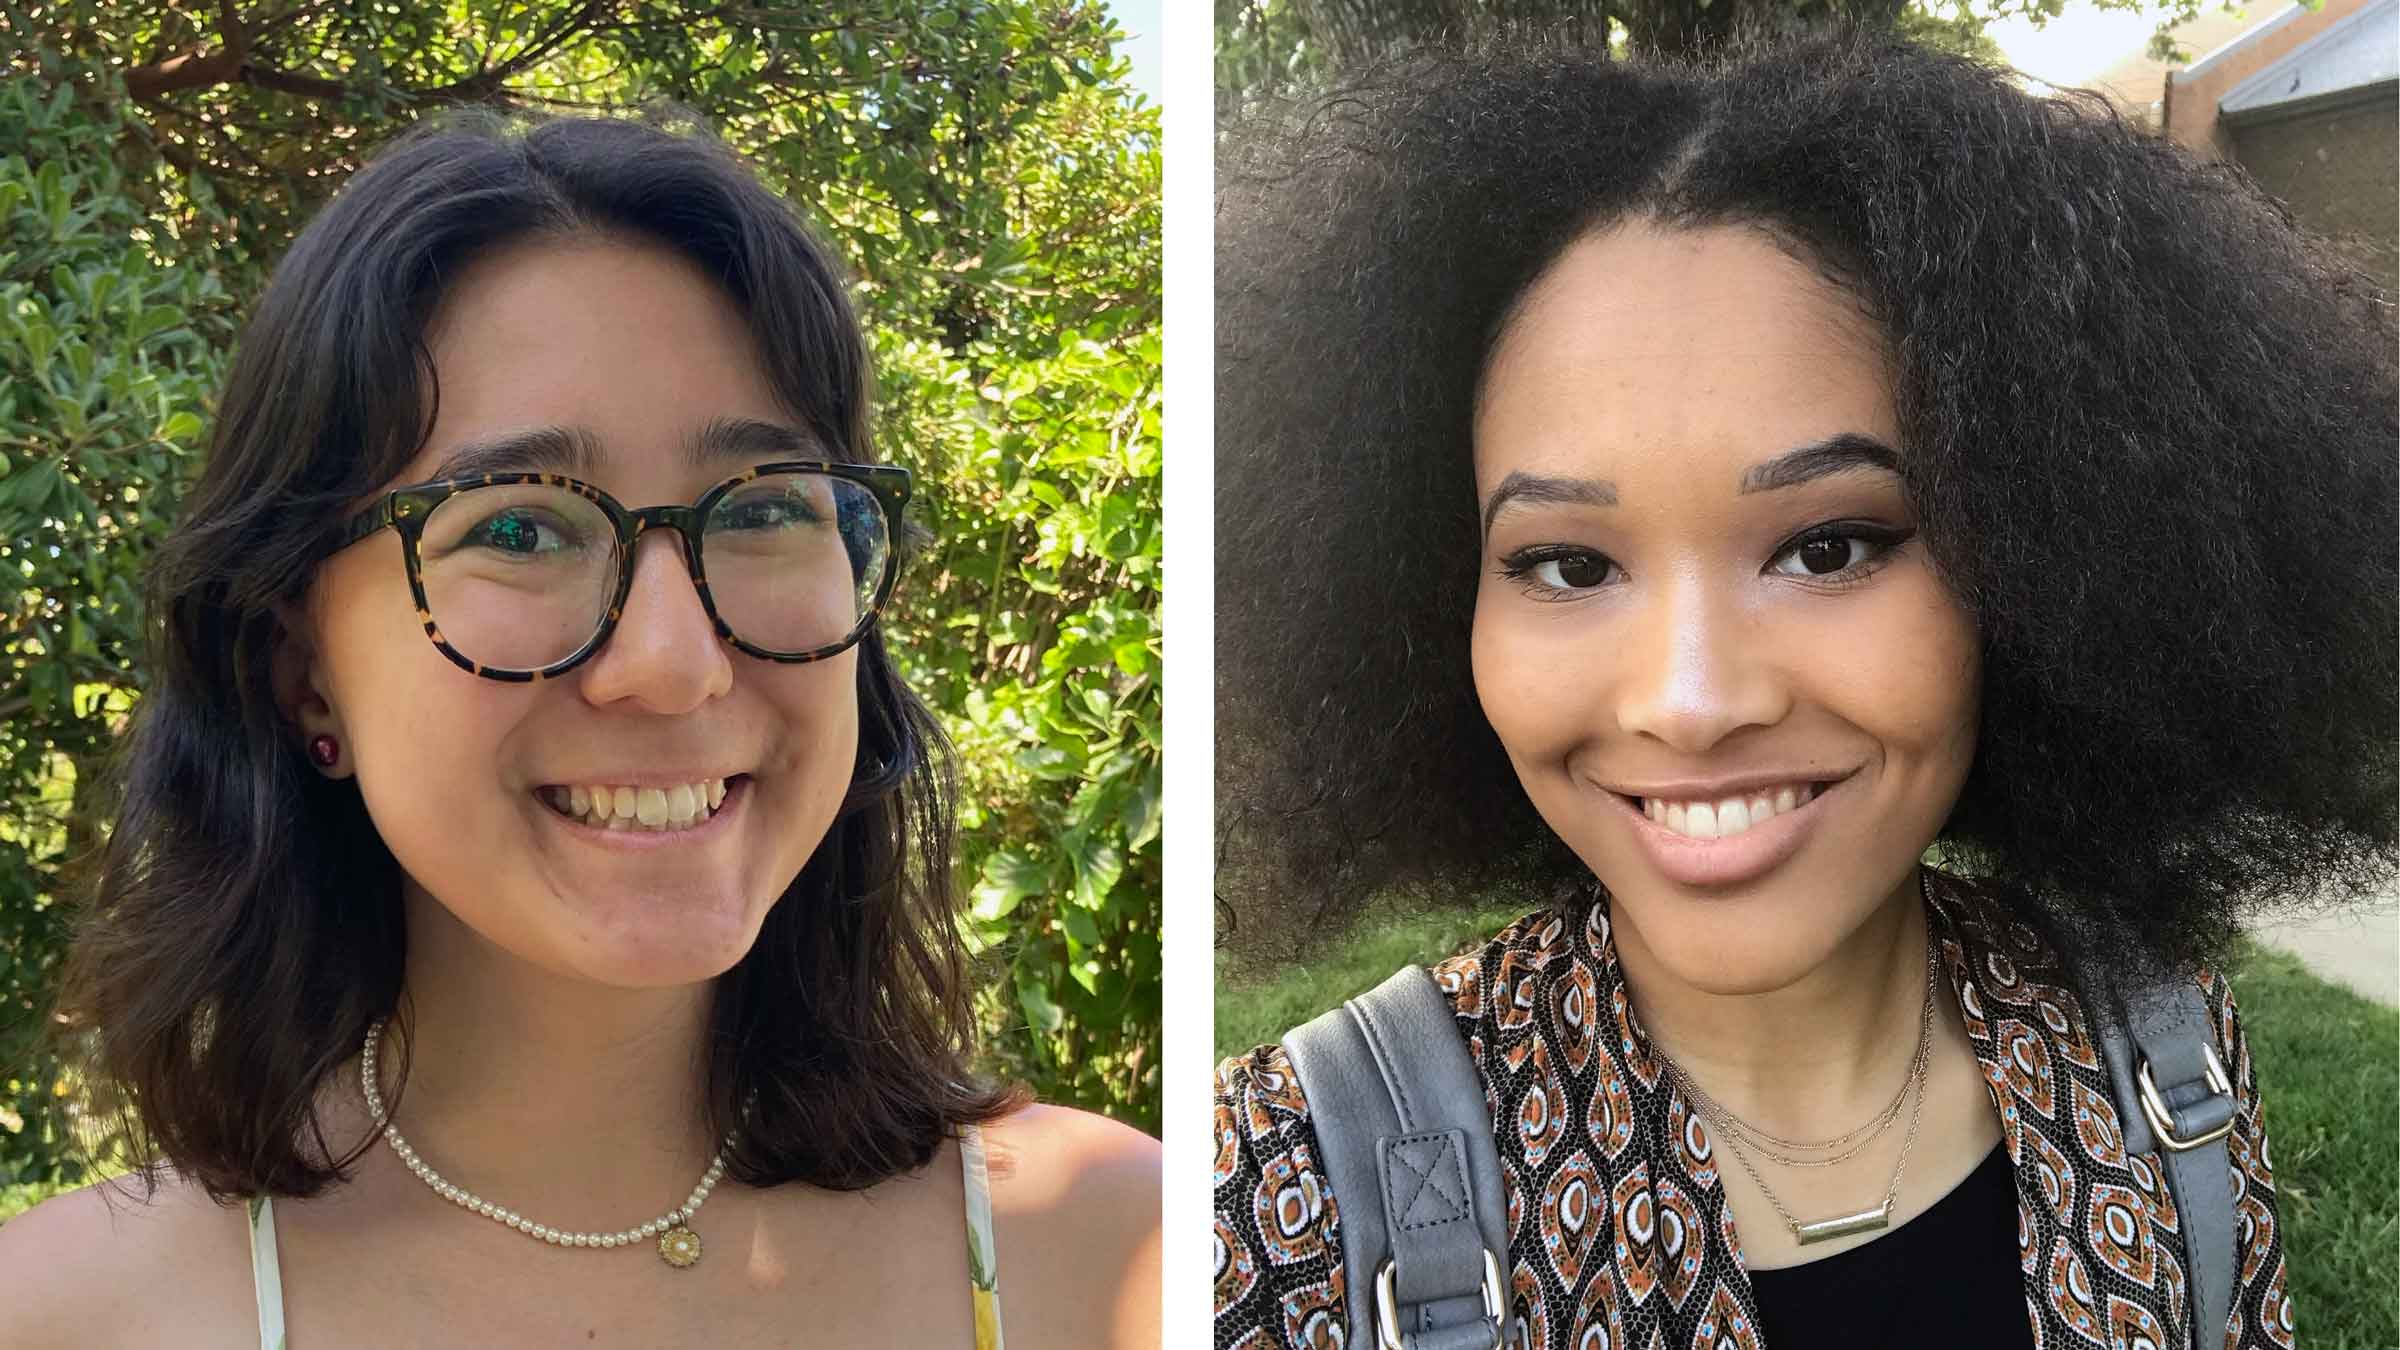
x: 1700, y: 490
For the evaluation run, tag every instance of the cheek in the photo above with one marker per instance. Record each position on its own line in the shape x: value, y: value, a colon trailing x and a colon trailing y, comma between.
x: 1910, y: 673
x: 409, y: 715
x: 818, y: 706
x: 424, y: 732
x: 1526, y: 684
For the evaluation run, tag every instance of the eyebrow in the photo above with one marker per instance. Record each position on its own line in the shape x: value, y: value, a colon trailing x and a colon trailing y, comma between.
x: 576, y: 450
x: 1536, y: 488
x: 1846, y: 452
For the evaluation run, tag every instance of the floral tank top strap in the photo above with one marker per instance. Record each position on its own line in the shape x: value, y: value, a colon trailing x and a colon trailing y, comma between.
x: 266, y: 1273
x: 983, y: 1257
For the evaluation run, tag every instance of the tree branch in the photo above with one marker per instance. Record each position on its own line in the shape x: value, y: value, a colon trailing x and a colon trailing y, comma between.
x: 197, y: 69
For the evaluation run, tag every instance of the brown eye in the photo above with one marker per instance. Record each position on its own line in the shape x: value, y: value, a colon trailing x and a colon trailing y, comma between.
x: 1822, y: 557
x: 1848, y: 551
x: 1572, y: 572
x: 1557, y: 571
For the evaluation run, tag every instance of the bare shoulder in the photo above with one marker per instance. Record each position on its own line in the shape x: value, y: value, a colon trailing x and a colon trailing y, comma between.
x: 1075, y: 1200
x: 1062, y: 1144
x: 67, y: 1264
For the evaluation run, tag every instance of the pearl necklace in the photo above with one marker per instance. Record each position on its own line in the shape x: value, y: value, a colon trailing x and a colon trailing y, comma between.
x: 678, y: 1245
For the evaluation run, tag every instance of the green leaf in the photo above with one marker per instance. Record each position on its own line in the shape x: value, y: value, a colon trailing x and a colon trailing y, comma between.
x: 32, y: 490
x: 1033, y: 995
x: 1008, y: 877
x: 152, y: 320
x: 1097, y: 867
x: 1050, y: 762
x: 1140, y: 816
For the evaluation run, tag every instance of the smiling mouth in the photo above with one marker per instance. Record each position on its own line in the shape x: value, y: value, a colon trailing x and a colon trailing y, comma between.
x: 1728, y: 817
x: 642, y: 810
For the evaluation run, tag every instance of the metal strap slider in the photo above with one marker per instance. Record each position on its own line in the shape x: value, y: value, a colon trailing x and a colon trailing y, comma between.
x: 1387, y: 1303
x: 2162, y: 1120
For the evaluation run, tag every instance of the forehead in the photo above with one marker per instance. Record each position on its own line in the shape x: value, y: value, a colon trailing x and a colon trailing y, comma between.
x: 1684, y: 350
x: 627, y: 347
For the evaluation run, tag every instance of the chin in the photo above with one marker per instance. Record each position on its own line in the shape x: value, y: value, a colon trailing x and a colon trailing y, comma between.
x: 662, y: 942
x: 656, y: 966
x: 1765, y: 940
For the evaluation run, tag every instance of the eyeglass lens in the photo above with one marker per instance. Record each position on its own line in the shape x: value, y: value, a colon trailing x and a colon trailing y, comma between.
x: 518, y: 576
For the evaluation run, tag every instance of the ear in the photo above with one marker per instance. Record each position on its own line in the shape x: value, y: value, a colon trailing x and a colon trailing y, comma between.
x: 302, y: 693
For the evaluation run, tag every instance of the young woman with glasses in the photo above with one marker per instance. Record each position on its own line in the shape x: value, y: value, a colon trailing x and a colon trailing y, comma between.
x: 529, y: 918
x: 1690, y: 493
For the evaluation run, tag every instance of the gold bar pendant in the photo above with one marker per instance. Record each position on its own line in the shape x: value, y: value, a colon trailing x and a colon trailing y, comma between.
x: 1825, y: 1230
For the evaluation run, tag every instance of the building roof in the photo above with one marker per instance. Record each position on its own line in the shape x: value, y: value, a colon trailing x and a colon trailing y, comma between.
x: 2358, y: 54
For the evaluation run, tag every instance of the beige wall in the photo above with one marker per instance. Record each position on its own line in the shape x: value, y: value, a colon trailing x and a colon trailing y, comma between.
x: 2339, y: 171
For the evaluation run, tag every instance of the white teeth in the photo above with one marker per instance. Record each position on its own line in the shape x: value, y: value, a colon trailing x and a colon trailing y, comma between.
x: 1733, y: 815
x: 629, y: 808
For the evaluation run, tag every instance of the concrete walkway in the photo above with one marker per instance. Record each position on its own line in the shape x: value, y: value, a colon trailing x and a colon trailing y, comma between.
x: 2359, y: 949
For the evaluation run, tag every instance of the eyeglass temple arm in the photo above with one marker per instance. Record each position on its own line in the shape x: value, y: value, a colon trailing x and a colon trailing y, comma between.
x: 365, y: 523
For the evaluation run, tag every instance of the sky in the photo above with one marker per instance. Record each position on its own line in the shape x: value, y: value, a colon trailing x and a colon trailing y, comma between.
x: 1141, y: 21
x: 2076, y: 45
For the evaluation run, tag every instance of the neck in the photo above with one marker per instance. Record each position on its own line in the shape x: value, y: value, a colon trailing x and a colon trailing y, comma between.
x: 1813, y: 1058
x: 578, y: 1106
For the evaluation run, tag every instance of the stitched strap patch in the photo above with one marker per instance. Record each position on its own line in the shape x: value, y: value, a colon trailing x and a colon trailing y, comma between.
x: 1425, y: 1180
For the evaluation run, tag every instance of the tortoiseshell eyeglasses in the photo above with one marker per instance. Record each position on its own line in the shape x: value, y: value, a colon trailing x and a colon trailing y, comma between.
x: 522, y: 576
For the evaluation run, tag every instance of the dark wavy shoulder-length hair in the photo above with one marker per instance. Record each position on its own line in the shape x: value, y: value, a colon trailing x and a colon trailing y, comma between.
x: 244, y: 923
x: 2150, y: 430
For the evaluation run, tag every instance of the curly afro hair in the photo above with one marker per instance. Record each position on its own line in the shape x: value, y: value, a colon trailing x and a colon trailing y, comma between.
x: 2151, y: 442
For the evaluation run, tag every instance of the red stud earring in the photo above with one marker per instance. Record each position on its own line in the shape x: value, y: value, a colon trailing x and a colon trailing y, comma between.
x: 325, y: 750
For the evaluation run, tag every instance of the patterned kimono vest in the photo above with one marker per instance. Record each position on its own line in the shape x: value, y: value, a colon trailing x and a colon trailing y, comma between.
x: 1619, y: 1237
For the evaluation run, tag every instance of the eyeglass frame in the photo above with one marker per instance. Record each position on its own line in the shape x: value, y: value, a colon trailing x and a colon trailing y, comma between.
x: 407, y: 509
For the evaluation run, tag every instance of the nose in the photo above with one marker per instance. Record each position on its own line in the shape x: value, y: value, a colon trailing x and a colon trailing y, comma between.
x: 665, y: 653
x: 1695, y: 669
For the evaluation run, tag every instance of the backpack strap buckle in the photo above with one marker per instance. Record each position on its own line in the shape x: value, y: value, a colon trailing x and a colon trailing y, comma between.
x: 1387, y: 1303
x: 2184, y: 1117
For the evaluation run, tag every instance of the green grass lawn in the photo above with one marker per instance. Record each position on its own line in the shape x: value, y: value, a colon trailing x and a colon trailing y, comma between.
x: 1257, y: 1006
x: 2329, y: 1081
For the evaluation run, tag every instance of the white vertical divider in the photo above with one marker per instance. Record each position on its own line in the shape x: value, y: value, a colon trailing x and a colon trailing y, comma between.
x: 1190, y: 613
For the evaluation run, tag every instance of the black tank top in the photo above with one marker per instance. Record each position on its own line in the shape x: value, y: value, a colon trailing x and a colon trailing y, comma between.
x: 1947, y: 1277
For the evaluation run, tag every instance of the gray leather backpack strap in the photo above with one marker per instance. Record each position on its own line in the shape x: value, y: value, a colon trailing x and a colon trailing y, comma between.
x: 2173, y: 1096
x: 1405, y: 1138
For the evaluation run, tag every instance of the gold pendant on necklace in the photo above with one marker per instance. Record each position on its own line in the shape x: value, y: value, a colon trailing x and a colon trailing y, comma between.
x: 680, y: 1246
x: 1826, y: 1230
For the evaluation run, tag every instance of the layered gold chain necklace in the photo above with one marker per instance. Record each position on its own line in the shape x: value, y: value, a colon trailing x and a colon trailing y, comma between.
x: 1735, y: 1132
